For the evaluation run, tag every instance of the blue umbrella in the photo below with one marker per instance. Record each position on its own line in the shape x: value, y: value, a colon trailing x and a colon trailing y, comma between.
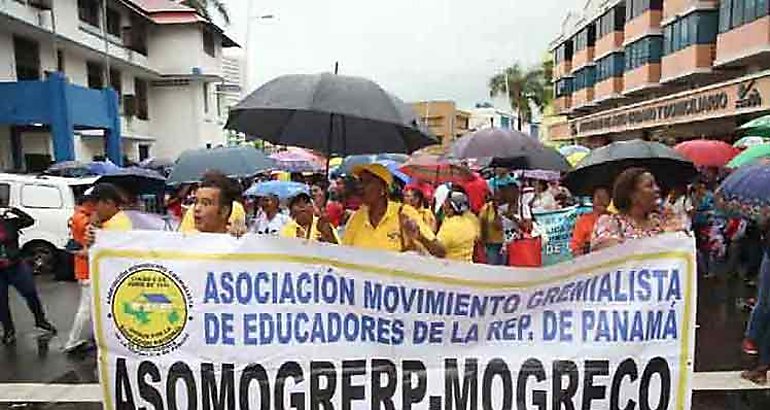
x: 102, y: 167
x: 568, y: 150
x: 281, y: 189
x: 352, y: 160
x: 746, y: 192
x: 393, y: 167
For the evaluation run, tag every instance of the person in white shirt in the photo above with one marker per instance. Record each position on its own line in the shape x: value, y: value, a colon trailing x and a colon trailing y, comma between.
x: 270, y: 220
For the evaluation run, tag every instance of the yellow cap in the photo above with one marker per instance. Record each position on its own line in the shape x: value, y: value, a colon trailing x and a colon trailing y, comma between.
x: 380, y: 171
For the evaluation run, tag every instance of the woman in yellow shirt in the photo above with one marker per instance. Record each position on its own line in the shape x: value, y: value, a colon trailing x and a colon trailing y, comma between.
x: 304, y: 224
x: 460, y: 229
x: 414, y: 197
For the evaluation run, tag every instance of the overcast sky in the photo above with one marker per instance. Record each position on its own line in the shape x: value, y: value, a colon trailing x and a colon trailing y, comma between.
x: 417, y: 49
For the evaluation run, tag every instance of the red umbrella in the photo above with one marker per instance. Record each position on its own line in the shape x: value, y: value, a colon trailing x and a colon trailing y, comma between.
x: 436, y: 170
x: 707, y: 153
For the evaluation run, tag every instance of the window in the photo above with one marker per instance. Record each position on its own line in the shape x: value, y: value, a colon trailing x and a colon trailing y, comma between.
x: 88, y: 11
x: 647, y: 50
x: 563, y: 87
x: 206, y: 98
x: 95, y: 73
x: 609, y: 66
x: 140, y: 90
x: 5, y: 195
x: 563, y: 52
x: 208, y: 43
x: 113, y: 22
x: 144, y: 152
x: 41, y: 196
x: 116, y: 82
x: 27, y: 55
x: 635, y: 8
x: 699, y: 27
x: 734, y: 13
x: 137, y: 36
x: 585, y: 37
x: 611, y: 21
x: 585, y: 78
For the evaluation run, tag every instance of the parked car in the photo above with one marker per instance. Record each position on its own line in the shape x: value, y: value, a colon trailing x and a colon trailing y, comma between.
x: 50, y: 201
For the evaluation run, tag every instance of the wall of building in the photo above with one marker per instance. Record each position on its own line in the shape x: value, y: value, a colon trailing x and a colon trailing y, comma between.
x: 165, y: 43
x: 6, y: 158
x: 7, y: 62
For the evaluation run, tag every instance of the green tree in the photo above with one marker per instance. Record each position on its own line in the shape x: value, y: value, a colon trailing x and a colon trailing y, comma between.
x: 522, y: 86
x: 204, y: 8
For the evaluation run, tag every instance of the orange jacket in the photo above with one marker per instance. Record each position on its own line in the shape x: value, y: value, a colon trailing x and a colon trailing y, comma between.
x: 78, y: 228
x: 581, y: 236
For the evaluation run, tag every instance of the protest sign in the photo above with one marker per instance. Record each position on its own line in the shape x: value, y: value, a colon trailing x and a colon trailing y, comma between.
x: 214, y: 322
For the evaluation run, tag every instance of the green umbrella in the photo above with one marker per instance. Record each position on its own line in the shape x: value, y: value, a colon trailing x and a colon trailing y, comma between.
x: 758, y: 126
x: 750, y: 155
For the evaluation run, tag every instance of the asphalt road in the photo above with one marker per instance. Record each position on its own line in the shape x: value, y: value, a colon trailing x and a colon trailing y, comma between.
x: 36, y: 359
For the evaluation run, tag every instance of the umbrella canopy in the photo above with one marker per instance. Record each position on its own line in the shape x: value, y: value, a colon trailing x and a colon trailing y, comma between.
x: 281, y: 189
x: 707, y: 153
x: 346, y: 167
x: 102, y: 167
x: 330, y: 114
x: 568, y: 150
x: 72, y: 169
x: 507, y: 148
x: 236, y: 162
x: 298, y: 160
x: 758, y: 126
x: 750, y: 155
x: 576, y: 157
x: 436, y: 170
x: 135, y: 180
x: 746, y: 192
x: 394, y: 168
x: 603, y: 164
x: 749, y: 141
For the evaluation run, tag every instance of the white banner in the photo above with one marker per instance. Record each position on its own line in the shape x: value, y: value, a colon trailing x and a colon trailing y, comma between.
x: 214, y: 322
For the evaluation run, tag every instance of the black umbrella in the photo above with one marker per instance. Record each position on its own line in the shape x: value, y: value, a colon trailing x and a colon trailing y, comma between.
x: 507, y: 148
x: 135, y: 180
x: 333, y: 114
x: 236, y: 162
x: 602, y: 165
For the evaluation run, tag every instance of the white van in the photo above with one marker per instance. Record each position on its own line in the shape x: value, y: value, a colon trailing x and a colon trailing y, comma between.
x: 51, y: 202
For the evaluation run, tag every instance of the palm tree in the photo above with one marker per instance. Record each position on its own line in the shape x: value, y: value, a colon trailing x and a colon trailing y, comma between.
x: 522, y: 86
x: 204, y: 7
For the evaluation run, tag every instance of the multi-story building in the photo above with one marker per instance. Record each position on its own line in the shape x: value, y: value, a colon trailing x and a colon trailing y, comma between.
x: 63, y: 62
x: 444, y: 119
x: 661, y: 69
x: 489, y: 116
x: 230, y: 92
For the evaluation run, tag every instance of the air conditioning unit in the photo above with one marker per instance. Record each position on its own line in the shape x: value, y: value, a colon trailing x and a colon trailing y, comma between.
x: 129, y: 105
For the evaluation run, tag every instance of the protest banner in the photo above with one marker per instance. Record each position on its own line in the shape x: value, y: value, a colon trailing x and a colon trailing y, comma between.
x: 214, y: 322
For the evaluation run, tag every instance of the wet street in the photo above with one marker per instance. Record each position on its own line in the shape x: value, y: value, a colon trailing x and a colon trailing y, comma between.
x: 36, y: 360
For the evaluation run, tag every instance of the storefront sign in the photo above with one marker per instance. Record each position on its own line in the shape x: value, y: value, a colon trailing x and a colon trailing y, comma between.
x: 715, y: 101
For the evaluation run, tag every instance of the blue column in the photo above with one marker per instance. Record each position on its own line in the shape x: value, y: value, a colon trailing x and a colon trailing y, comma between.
x: 62, y: 127
x: 113, y: 140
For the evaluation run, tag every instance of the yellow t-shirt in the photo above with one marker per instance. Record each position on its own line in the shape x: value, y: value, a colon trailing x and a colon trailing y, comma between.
x: 487, y: 218
x: 290, y: 231
x: 119, y: 222
x: 360, y: 233
x: 458, y: 234
x: 238, y: 214
x: 428, y: 217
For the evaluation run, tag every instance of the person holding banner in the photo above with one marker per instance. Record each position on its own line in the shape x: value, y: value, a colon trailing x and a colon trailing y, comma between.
x: 213, y: 206
x: 459, y: 230
x: 636, y: 196
x: 584, y: 226
x: 304, y: 224
x: 384, y: 224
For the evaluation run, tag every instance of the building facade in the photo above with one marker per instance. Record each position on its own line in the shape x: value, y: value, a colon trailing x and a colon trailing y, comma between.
x: 487, y: 117
x: 666, y: 70
x: 444, y: 119
x: 161, y: 59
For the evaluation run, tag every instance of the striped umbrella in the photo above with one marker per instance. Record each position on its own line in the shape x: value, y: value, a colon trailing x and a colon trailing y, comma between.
x: 436, y: 170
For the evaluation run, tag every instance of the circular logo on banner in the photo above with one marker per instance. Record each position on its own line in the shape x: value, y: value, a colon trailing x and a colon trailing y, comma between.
x: 149, y: 306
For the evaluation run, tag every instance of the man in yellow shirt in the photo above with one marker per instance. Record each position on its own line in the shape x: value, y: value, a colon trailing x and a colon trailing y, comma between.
x: 304, y: 224
x: 460, y: 229
x: 237, y: 217
x: 383, y: 224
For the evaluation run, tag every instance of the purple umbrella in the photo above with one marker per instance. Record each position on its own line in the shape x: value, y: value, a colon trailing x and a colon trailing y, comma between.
x: 746, y: 192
